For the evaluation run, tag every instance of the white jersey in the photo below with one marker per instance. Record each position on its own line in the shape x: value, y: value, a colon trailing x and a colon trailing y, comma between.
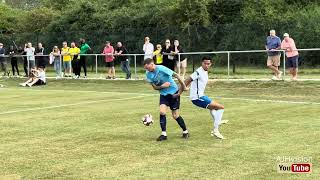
x: 42, y: 76
x: 198, y: 84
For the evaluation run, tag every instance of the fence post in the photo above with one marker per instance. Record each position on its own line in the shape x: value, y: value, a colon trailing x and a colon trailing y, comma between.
x: 135, y: 66
x: 179, y: 60
x: 284, y: 64
x: 228, y: 64
x: 28, y: 61
x: 60, y: 64
x: 96, y: 65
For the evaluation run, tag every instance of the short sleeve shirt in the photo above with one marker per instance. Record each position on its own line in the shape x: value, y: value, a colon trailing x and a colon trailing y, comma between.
x: 198, y: 84
x: 161, y: 75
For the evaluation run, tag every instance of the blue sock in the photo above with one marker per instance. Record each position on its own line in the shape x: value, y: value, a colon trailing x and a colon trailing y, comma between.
x: 163, y: 122
x: 181, y: 123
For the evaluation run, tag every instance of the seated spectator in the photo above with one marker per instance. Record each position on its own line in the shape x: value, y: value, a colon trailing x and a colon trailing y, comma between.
x: 37, y: 77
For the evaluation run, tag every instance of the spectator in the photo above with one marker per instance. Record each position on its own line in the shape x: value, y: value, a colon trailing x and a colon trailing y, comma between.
x: 84, y: 49
x: 74, y: 52
x: 148, y: 48
x: 158, y: 57
x: 38, y: 77
x: 182, y: 65
x: 40, y: 59
x: 30, y: 55
x: 14, y: 60
x: 57, y: 61
x: 66, y: 59
x: 168, y: 58
x: 109, y: 59
x: 25, y: 61
x: 125, y: 64
x: 292, y: 54
x: 3, y: 61
x: 273, y: 43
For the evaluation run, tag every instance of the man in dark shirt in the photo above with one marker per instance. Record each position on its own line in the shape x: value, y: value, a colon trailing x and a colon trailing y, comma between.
x: 125, y: 66
x: 273, y: 43
x: 3, y: 61
x: 40, y: 59
x: 168, y: 57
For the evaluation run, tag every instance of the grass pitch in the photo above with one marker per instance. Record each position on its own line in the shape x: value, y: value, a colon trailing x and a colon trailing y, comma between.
x: 87, y: 129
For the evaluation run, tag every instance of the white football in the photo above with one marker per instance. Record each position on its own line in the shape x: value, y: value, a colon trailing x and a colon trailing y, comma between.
x: 147, y: 119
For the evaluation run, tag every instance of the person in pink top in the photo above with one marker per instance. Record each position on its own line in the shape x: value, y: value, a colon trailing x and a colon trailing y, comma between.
x: 292, y: 55
x: 109, y: 59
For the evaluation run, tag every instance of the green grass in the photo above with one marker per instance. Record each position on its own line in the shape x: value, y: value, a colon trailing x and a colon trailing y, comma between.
x: 92, y: 130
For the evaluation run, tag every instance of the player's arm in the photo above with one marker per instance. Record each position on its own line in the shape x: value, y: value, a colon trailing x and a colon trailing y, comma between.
x: 188, y: 81
x: 181, y: 82
x: 163, y: 86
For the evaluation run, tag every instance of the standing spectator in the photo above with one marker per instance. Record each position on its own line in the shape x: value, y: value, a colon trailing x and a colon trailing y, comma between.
x: 168, y: 58
x: 3, y: 61
x: 158, y: 57
x: 25, y: 60
x: 292, y: 55
x: 84, y: 49
x: 57, y: 61
x: 148, y: 48
x: 30, y: 55
x: 273, y: 43
x: 40, y: 59
x: 125, y: 64
x: 182, y: 65
x: 66, y: 59
x: 74, y: 52
x: 109, y: 59
x: 14, y: 60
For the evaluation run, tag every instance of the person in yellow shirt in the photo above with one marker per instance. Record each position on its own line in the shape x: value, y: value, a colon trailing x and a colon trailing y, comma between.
x: 74, y: 51
x: 158, y: 57
x: 66, y: 58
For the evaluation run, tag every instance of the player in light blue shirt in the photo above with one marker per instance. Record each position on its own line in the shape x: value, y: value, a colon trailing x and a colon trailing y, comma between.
x: 161, y: 79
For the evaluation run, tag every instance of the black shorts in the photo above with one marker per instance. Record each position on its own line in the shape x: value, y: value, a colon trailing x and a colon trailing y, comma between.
x: 110, y: 64
x: 39, y: 83
x: 169, y: 100
x: 293, y: 61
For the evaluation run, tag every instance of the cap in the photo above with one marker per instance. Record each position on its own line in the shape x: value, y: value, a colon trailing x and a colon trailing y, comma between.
x: 285, y: 35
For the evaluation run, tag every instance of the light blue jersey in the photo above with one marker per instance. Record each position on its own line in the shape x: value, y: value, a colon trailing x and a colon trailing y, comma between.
x: 161, y: 75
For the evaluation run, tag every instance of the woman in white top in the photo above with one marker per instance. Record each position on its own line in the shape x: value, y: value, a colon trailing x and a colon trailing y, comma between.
x: 30, y: 54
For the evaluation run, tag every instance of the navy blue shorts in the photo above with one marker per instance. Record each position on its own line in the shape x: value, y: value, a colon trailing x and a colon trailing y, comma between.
x: 169, y: 100
x: 293, y: 61
x: 203, y: 102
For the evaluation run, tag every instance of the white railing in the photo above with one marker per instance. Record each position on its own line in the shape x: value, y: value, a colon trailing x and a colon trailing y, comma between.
x: 228, y: 53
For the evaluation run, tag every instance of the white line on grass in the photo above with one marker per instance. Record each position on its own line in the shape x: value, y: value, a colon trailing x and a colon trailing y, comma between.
x: 72, y: 104
x: 148, y: 94
x: 273, y: 101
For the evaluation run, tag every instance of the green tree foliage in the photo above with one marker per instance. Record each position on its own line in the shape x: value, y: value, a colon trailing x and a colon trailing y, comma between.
x: 198, y: 24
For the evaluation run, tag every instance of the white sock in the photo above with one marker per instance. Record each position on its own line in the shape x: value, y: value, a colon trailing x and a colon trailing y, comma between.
x: 185, y: 132
x: 164, y: 133
x: 217, y: 116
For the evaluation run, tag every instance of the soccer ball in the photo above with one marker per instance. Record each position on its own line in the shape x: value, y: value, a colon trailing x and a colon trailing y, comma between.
x: 147, y: 119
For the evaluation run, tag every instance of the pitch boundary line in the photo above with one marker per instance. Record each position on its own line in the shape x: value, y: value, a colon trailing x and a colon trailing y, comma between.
x: 148, y: 94
x: 71, y: 104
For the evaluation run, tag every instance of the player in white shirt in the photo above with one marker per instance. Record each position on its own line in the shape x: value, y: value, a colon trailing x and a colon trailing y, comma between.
x: 38, y: 77
x: 198, y: 81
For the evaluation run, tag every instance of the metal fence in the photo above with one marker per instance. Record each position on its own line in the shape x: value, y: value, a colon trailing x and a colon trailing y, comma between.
x: 225, y: 66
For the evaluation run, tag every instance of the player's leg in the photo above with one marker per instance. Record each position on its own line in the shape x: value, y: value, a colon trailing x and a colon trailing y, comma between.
x: 216, y: 111
x: 163, y: 121
x: 174, y: 106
